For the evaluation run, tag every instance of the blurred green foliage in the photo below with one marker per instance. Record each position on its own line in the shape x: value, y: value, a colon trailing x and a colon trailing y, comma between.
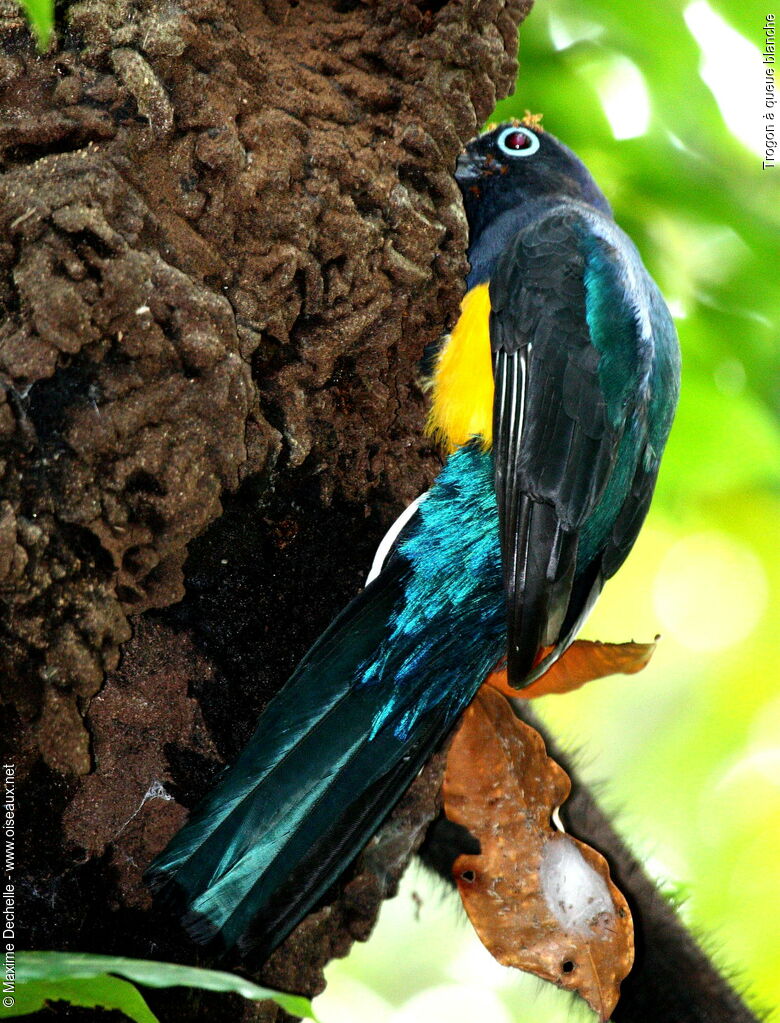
x: 686, y: 754
x: 40, y: 14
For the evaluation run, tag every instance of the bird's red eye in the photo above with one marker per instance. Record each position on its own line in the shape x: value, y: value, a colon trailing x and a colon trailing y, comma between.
x: 516, y: 140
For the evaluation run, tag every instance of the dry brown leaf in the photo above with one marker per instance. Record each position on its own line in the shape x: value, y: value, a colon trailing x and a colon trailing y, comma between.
x: 584, y: 661
x: 538, y: 899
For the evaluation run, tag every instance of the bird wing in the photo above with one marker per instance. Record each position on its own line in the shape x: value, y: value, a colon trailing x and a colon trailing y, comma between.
x: 570, y: 359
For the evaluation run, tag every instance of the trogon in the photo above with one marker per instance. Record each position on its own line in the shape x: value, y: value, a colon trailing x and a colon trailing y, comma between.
x: 553, y: 397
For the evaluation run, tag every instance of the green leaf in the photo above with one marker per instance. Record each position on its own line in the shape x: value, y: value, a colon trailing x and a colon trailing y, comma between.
x: 98, y: 992
x: 44, y: 976
x: 40, y: 14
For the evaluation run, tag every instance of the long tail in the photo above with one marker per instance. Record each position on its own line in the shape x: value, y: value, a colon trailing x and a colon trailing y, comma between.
x: 313, y: 784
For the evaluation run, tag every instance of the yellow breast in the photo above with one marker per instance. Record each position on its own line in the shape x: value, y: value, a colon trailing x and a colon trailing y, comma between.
x: 463, y: 378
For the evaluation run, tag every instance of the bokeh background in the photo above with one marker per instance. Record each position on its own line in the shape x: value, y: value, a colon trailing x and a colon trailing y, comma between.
x: 664, y: 102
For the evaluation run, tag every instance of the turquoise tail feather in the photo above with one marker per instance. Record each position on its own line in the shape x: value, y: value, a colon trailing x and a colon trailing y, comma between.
x: 338, y: 746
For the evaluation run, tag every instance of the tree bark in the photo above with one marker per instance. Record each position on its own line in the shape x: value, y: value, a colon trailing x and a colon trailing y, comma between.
x: 227, y: 232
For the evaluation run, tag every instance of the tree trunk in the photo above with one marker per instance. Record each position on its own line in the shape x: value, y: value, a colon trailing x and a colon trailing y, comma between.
x: 227, y: 232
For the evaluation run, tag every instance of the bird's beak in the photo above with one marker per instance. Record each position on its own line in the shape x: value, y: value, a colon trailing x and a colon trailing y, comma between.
x: 469, y: 167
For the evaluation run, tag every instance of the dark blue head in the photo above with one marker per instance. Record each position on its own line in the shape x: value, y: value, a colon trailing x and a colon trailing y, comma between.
x: 517, y: 163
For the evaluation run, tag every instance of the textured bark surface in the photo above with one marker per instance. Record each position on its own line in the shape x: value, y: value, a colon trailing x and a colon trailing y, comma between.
x: 228, y: 228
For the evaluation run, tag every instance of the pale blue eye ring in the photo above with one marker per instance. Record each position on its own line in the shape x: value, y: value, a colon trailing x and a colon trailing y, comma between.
x: 517, y: 141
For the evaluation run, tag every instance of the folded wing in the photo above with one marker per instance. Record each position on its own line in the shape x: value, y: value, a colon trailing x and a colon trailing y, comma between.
x: 571, y: 369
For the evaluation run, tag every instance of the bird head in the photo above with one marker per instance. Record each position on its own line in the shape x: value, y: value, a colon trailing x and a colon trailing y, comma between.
x: 515, y: 163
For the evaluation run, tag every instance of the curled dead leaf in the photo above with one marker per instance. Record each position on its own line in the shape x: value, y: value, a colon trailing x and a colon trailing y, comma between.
x: 539, y: 900
x: 584, y: 661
